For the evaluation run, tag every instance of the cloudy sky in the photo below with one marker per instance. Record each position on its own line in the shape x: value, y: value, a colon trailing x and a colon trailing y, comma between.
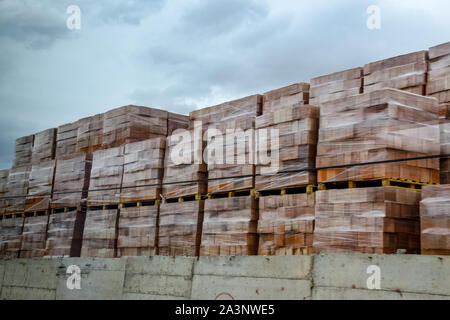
x: 181, y: 55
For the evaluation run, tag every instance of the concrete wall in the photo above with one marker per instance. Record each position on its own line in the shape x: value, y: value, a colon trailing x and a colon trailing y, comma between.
x: 209, y: 278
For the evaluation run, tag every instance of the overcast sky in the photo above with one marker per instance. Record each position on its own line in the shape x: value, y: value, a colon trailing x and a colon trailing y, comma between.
x: 180, y: 55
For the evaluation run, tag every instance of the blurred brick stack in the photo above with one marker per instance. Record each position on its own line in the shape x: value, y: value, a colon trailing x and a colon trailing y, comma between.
x: 3, y: 182
x: 278, y: 99
x: 10, y: 237
x: 90, y: 134
x: 34, y: 237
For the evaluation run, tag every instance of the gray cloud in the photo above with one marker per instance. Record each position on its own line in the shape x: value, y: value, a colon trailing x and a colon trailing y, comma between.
x: 182, y: 55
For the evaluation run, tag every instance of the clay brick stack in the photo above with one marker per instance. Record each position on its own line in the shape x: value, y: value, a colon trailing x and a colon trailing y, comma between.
x: 406, y: 72
x: 66, y: 140
x: 238, y: 114
x: 286, y: 224
x: 44, y: 146
x: 90, y: 134
x: 143, y: 166
x: 40, y: 186
x: 230, y: 227
x: 445, y: 142
x: 176, y: 121
x: 133, y: 123
x: 23, y: 151
x: 435, y: 220
x: 10, y: 237
x: 438, y: 84
x: 34, y: 237
x: 297, y: 93
x: 3, y: 182
x: 17, y: 189
x: 183, y: 163
x: 180, y: 228
x: 100, y: 233
x: 382, y: 125
x: 336, y: 85
x: 138, y: 231
x: 379, y: 220
x: 297, y: 141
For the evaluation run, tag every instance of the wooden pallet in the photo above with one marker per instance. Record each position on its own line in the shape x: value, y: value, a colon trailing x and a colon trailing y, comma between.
x: 232, y: 194
x: 376, y: 182
x: 300, y: 189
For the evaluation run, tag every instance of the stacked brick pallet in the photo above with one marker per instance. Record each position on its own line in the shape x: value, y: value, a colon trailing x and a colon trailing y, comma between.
x: 90, y: 134
x: 17, y: 189
x: 10, y: 237
x: 66, y: 139
x: 406, y: 72
x: 34, y: 237
x: 445, y: 142
x: 336, y: 86
x: 23, y: 151
x: 66, y: 222
x: 435, y: 220
x: 277, y: 99
x: 379, y: 220
x: 230, y: 227
x: 3, y: 182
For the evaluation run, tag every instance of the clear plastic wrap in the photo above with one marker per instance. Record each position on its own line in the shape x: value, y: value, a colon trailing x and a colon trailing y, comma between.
x: 286, y: 224
x: 106, y: 177
x: 17, y: 189
x: 34, y: 237
x: 10, y: 237
x: 100, y: 234
x: 90, y: 134
x: 230, y: 227
x: 71, y: 181
x: 177, y: 171
x: 44, y: 146
x: 40, y: 186
x: 143, y: 165
x: 297, y: 93
x: 382, y: 125
x: 66, y: 139
x: 297, y: 140
x: 435, y: 220
x: 138, y: 231
x: 336, y: 86
x: 3, y: 183
x: 23, y: 151
x: 381, y: 220
x: 445, y: 143
x: 407, y: 72
x: 64, y: 234
x: 180, y: 228
x: 438, y: 82
x: 133, y: 123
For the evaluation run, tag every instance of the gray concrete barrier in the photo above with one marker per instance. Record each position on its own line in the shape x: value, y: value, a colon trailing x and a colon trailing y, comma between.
x: 293, y: 278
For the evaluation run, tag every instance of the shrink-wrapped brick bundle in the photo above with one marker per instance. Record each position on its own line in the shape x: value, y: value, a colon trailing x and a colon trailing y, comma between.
x: 44, y: 146
x: 133, y: 123
x: 435, y: 220
x: 100, y: 233
x: 71, y: 181
x: 106, y: 177
x: 3, y: 182
x: 291, y: 148
x: 90, y: 134
x: 66, y: 140
x: 382, y: 125
x: 445, y: 142
x: 406, y: 72
x: 286, y: 224
x: 180, y: 228
x: 336, y: 85
x: 230, y: 227
x: 438, y: 83
x: 17, y: 188
x: 143, y: 170
x: 381, y: 220
x: 23, y: 151
x: 138, y: 231
x: 297, y: 93
x: 10, y: 237
x: 34, y: 237
x: 40, y: 186
x: 176, y: 121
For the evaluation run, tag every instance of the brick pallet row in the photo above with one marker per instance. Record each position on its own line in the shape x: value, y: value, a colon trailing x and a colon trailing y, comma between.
x: 435, y: 220
x: 230, y: 227
x: 381, y: 125
x: 138, y: 231
x: 10, y: 237
x: 336, y: 86
x: 297, y: 127
x: 438, y: 84
x: 286, y: 224
x: 34, y: 237
x: 406, y: 72
x: 274, y: 100
x: 380, y: 220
